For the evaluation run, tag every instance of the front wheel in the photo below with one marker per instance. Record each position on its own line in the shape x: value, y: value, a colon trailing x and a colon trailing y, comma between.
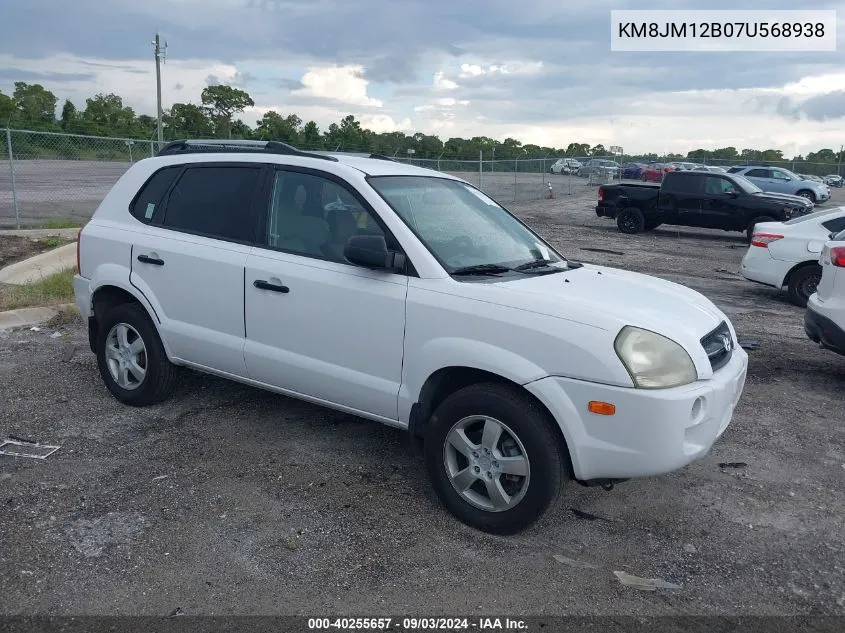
x: 803, y: 283
x: 494, y: 458
x: 809, y: 195
x: 630, y: 220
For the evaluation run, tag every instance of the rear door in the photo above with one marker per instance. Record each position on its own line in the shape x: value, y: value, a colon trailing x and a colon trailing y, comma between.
x: 317, y: 325
x: 189, y: 262
x: 762, y: 178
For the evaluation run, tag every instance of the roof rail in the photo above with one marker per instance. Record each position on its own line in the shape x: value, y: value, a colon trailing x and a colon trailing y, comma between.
x: 205, y: 146
x: 383, y: 157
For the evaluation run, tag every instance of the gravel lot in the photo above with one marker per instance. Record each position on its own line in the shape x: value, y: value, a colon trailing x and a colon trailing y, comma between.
x: 229, y: 500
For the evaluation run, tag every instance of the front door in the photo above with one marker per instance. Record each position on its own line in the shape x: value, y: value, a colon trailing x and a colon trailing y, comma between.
x: 316, y: 325
x: 719, y: 204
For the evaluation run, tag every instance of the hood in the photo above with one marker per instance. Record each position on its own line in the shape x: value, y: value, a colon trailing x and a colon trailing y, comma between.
x: 610, y: 298
x: 787, y: 198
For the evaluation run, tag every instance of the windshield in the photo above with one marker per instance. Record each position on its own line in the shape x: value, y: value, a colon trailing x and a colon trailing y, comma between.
x: 459, y: 224
x: 746, y: 185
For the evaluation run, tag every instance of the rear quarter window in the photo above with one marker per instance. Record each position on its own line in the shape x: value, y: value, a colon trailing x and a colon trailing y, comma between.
x: 681, y: 182
x: 149, y: 198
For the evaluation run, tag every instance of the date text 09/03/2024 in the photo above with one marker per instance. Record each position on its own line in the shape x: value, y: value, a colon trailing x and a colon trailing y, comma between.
x: 417, y: 624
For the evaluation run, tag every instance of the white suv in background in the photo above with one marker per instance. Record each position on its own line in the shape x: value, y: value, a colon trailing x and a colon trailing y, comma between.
x: 824, y: 319
x: 408, y: 297
x: 565, y: 166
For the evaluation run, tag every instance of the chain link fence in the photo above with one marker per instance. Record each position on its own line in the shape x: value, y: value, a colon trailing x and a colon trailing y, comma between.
x: 49, y: 178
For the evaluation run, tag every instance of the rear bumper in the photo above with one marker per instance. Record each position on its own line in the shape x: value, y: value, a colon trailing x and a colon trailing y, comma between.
x: 823, y: 330
x: 605, y: 211
x: 758, y: 265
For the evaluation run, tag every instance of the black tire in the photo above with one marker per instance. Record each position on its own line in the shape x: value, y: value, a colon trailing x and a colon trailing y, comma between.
x: 809, y: 195
x: 630, y: 220
x: 749, y: 230
x: 803, y: 283
x: 160, y: 373
x: 545, y: 453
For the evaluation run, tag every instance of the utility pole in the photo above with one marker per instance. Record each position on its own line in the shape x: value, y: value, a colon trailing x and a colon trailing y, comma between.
x: 160, y: 54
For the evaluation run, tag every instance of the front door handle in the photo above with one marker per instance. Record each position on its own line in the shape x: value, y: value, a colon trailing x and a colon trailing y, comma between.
x: 146, y: 259
x: 266, y: 285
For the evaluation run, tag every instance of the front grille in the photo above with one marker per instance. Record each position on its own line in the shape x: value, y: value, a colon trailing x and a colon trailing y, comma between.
x: 719, y: 346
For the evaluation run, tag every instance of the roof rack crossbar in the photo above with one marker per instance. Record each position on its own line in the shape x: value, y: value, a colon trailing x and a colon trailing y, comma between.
x: 205, y: 146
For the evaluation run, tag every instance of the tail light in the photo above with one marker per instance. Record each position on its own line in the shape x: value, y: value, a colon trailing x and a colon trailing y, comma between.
x: 78, y: 242
x: 837, y: 256
x: 601, y: 194
x: 764, y: 239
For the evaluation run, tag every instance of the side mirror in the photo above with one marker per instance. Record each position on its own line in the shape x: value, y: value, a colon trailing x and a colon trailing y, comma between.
x: 732, y: 193
x: 370, y: 251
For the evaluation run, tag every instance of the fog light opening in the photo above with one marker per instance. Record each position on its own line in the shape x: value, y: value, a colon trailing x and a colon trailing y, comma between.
x: 697, y: 408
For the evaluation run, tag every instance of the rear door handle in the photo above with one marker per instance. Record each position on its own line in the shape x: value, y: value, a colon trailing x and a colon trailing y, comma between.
x: 146, y: 259
x: 266, y: 285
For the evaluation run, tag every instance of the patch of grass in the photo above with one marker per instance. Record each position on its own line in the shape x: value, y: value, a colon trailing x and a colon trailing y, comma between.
x: 52, y: 241
x: 50, y: 290
x: 62, y: 223
x: 64, y: 317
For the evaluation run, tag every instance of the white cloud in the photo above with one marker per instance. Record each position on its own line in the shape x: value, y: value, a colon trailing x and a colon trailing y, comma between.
x: 441, y: 83
x: 508, y: 68
x: 379, y: 123
x: 338, y: 83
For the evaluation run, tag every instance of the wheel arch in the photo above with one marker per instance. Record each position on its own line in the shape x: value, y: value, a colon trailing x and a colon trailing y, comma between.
x: 111, y: 294
x: 805, y: 264
x: 445, y: 381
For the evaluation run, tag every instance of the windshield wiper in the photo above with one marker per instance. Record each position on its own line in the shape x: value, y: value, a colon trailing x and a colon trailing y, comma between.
x: 482, y: 269
x: 538, y: 263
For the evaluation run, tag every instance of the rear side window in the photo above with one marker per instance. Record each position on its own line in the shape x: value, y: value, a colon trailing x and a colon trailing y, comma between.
x: 834, y: 226
x: 149, y: 198
x: 215, y: 202
x: 681, y: 182
x: 758, y: 173
x: 734, y: 170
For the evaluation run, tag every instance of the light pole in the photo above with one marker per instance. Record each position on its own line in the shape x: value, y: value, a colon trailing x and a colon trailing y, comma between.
x: 411, y: 152
x: 160, y: 54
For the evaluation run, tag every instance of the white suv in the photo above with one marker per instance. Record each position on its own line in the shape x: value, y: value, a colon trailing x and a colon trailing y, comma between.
x: 409, y: 297
x: 824, y: 319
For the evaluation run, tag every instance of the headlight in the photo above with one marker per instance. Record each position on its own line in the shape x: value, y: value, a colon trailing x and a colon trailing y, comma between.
x: 654, y: 361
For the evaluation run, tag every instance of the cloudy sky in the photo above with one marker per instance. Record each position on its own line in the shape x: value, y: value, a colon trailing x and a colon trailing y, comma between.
x: 538, y: 70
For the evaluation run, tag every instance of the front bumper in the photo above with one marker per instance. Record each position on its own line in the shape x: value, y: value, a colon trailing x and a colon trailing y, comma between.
x: 652, y: 432
x: 822, y: 330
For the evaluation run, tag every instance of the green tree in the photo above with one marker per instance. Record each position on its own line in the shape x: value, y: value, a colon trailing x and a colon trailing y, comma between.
x: 273, y: 126
x: 34, y: 104
x: 310, y: 137
x: 7, y: 108
x: 725, y: 153
x: 240, y: 130
x: 222, y: 102
x: 772, y: 155
x: 186, y: 120
x: 69, y: 115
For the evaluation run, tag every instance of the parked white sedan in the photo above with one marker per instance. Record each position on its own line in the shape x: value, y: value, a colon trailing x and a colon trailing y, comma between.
x: 787, y: 253
x: 824, y: 319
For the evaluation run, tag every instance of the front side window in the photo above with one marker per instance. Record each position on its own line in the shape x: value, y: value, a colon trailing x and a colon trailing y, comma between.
x: 314, y: 216
x: 460, y: 225
x: 214, y: 202
x: 779, y: 175
x: 717, y: 186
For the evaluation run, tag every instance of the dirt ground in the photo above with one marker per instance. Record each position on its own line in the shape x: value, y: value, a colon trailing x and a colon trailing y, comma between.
x: 229, y: 500
x: 15, y: 249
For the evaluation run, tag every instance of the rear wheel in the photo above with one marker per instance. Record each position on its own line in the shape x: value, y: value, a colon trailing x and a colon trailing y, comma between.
x: 630, y: 220
x: 802, y: 283
x: 131, y: 358
x: 494, y: 459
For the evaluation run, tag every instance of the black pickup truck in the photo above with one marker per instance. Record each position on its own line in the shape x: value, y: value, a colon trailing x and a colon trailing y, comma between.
x: 699, y: 199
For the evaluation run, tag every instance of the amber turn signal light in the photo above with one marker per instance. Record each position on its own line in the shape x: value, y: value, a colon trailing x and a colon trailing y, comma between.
x: 601, y: 408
